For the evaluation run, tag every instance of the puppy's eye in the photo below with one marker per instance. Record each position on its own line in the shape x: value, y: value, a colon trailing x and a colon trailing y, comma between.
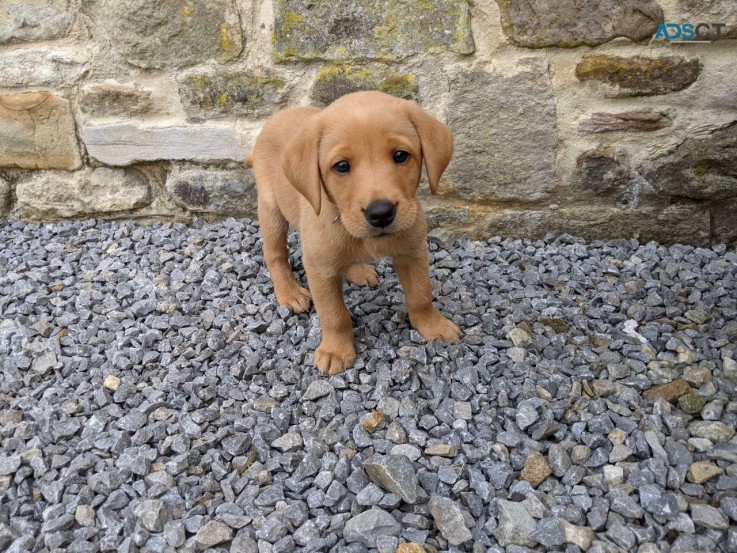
x: 342, y: 167
x: 400, y: 156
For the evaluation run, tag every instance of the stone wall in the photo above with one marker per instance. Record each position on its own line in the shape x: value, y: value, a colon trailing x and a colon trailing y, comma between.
x: 567, y: 119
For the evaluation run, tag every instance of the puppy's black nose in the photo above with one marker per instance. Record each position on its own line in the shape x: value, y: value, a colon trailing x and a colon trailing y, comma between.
x: 380, y: 214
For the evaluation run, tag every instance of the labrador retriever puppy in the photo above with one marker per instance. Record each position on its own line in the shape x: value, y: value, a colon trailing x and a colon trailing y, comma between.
x: 346, y: 177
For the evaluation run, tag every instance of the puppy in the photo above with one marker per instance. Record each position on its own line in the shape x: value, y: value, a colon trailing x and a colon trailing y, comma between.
x: 346, y: 177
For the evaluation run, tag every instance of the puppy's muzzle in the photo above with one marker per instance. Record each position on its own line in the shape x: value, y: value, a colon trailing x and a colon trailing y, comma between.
x: 380, y: 214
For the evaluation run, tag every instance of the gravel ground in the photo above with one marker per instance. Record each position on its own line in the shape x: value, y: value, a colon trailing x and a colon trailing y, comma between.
x: 154, y: 398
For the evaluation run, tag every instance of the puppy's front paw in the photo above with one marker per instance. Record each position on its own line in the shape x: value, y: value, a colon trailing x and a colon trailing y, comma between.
x: 362, y: 274
x: 436, y: 327
x: 334, y: 357
x: 295, y: 298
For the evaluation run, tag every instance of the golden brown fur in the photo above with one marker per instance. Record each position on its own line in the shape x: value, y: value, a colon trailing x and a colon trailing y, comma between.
x: 294, y: 160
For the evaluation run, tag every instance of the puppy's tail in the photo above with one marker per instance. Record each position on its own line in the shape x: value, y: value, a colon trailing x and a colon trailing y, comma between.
x: 248, y: 162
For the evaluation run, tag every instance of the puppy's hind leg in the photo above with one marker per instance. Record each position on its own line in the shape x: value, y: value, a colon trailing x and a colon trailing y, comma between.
x: 274, y: 229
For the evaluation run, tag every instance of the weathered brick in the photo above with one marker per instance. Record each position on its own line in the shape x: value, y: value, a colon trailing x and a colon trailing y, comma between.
x: 386, y: 30
x: 37, y: 20
x: 724, y: 226
x: 602, y: 171
x: 25, y: 67
x: 505, y: 138
x: 37, y: 132
x: 217, y: 93
x: 684, y: 224
x: 4, y: 197
x: 335, y: 81
x: 53, y: 195
x: 126, y: 143
x: 221, y: 192
x: 571, y: 23
x: 170, y: 33
x: 441, y: 215
x: 110, y: 98
x: 700, y: 168
x: 628, y: 121
x: 638, y: 76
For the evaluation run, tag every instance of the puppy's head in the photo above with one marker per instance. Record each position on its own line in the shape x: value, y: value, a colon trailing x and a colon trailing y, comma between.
x: 365, y: 152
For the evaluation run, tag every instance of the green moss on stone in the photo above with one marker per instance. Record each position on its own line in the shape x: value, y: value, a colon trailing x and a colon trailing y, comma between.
x: 226, y: 92
x: 352, y: 30
x: 227, y: 43
x: 403, y: 86
x: 291, y: 21
x: 702, y: 168
x: 335, y: 81
x: 691, y: 403
x: 638, y: 76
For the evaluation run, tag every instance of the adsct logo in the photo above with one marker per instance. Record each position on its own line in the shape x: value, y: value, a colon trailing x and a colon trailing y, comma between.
x: 698, y: 33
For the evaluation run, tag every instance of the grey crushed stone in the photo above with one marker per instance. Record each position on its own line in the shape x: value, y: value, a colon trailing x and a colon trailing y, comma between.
x: 153, y: 396
x: 9, y: 464
x: 515, y: 525
x: 709, y: 517
x: 152, y: 514
x: 449, y: 520
x: 729, y: 507
x: 368, y: 526
x: 548, y: 533
x: 394, y: 473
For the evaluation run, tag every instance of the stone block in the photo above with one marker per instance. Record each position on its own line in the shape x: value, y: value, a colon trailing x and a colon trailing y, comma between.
x: 445, y: 219
x: 571, y: 23
x: 126, y: 143
x: 627, y: 121
x: 639, y: 76
x: 113, y: 99
x: 36, y: 67
x: 54, y: 195
x: 700, y: 168
x: 210, y: 191
x: 37, y: 132
x: 170, y: 33
x: 441, y: 215
x: 604, y: 172
x: 387, y: 30
x: 217, y: 93
x: 505, y: 138
x: 335, y: 81
x: 38, y: 20
x: 684, y: 224
x: 724, y: 223
x: 5, y: 199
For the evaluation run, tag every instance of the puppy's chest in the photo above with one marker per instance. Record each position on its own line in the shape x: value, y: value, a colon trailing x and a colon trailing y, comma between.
x: 374, y: 249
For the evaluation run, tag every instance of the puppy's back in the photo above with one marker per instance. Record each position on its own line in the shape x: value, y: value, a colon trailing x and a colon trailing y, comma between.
x: 265, y: 158
x: 277, y: 132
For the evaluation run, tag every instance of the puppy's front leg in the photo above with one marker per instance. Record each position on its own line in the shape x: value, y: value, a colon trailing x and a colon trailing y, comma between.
x: 336, y: 351
x: 414, y: 276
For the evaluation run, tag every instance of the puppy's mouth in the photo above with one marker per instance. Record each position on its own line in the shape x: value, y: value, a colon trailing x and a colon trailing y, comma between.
x: 383, y: 233
x: 367, y: 232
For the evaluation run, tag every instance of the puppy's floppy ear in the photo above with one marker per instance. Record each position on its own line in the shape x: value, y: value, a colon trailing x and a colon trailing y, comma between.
x: 437, y: 143
x: 300, y: 163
